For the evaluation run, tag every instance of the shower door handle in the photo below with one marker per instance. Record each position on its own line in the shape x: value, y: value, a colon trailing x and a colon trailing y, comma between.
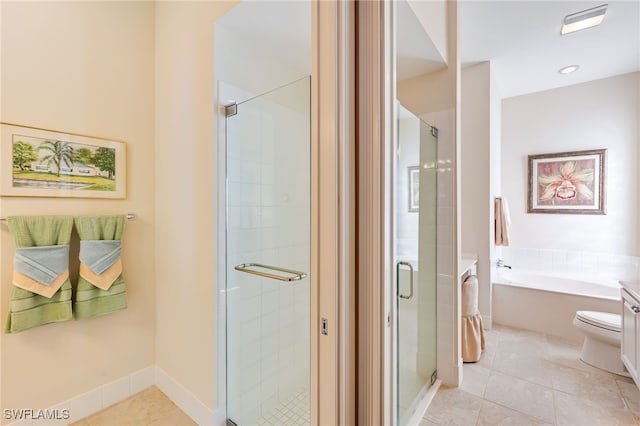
x: 407, y: 264
x: 295, y: 275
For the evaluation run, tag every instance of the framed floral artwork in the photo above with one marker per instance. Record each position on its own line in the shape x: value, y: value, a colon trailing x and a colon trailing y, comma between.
x: 567, y: 182
x: 48, y: 163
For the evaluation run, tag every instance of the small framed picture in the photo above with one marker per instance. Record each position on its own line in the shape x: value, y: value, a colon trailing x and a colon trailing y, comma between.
x: 414, y: 188
x: 47, y: 163
x: 567, y: 182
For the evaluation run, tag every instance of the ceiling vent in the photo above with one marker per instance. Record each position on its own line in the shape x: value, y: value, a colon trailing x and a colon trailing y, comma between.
x: 583, y: 20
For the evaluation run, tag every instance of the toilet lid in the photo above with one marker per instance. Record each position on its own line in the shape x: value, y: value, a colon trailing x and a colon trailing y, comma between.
x: 600, y: 319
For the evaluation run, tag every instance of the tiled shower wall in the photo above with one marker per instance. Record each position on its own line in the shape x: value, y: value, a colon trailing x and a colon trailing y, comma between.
x: 603, y: 265
x: 268, y: 222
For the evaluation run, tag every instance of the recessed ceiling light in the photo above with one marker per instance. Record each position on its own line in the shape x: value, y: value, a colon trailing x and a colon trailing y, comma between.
x: 568, y: 69
x: 583, y: 20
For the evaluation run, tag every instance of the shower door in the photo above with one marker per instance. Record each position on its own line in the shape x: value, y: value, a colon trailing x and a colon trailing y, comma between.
x: 268, y: 176
x: 415, y: 231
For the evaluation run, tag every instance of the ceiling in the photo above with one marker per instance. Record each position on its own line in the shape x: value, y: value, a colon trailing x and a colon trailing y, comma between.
x: 522, y: 40
x: 416, y: 53
x: 278, y: 29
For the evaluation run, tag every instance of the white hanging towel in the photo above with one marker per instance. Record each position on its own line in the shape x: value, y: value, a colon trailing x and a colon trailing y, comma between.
x: 502, y: 221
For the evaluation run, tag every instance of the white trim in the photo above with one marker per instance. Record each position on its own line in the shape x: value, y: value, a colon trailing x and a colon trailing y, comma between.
x: 220, y: 257
x: 97, y: 399
x: 453, y: 24
x: 423, y: 405
x: 186, y: 400
x: 487, y: 320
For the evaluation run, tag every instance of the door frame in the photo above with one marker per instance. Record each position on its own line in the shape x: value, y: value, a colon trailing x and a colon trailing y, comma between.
x: 375, y: 143
x: 333, y: 212
x: 333, y: 270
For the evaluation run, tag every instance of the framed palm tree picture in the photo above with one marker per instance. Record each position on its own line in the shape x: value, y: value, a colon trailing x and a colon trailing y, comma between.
x: 568, y: 182
x: 38, y: 162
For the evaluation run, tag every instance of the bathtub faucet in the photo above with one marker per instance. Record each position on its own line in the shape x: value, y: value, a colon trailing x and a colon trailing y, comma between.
x: 500, y: 264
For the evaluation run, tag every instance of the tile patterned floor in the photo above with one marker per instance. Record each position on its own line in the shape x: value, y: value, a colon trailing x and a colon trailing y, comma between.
x: 523, y: 379
x: 526, y: 378
x: 149, y: 407
x: 152, y: 407
x: 294, y: 412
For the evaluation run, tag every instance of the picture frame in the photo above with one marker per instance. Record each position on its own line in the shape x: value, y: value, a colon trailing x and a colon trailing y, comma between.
x: 37, y: 162
x: 414, y: 188
x: 567, y: 182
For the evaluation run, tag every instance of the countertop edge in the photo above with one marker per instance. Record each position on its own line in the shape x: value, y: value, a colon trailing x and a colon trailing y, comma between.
x: 633, y: 287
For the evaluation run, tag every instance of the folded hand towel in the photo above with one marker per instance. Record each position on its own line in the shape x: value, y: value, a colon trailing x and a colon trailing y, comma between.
x: 101, y: 287
x: 100, y: 262
x: 41, y: 270
x: 42, y: 291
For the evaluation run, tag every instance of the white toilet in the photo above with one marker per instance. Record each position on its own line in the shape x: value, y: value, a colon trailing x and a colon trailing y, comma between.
x: 601, y: 347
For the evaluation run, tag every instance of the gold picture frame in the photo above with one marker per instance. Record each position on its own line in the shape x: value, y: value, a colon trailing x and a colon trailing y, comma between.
x: 37, y: 162
x: 568, y: 182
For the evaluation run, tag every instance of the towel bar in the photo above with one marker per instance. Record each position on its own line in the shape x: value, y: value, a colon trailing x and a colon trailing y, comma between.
x: 130, y: 216
x: 297, y: 275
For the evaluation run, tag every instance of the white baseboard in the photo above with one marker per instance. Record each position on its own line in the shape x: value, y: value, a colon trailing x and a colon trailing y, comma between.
x: 220, y: 417
x: 186, y: 400
x: 88, y: 403
x: 487, y: 321
x: 97, y: 399
x: 423, y: 405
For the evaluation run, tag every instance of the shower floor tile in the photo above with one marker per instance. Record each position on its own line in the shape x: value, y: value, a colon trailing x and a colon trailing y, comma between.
x: 294, y: 412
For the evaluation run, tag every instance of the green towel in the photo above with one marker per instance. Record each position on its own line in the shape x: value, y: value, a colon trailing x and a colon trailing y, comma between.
x: 27, y: 309
x: 90, y: 300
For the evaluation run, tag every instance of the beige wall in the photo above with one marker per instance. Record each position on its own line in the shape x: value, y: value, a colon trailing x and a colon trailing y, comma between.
x: 481, y: 117
x: 432, y: 15
x: 185, y: 207
x: 1, y: 212
x: 85, y: 67
x: 593, y: 115
x: 477, y: 202
x: 428, y: 92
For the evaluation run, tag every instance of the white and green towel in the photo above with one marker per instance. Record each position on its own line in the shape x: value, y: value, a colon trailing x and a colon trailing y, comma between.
x: 41, y: 292
x: 101, y: 288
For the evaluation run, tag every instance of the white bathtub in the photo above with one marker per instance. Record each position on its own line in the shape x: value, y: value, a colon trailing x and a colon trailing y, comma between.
x: 547, y: 302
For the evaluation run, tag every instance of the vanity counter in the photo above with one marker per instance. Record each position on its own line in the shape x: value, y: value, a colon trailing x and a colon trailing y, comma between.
x: 633, y: 287
x: 466, y: 264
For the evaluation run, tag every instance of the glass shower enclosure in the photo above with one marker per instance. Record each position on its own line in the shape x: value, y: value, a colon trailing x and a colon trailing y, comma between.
x: 268, y: 178
x: 416, y: 247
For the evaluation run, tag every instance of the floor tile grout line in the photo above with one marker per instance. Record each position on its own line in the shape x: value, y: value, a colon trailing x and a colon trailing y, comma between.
x: 624, y: 399
x: 554, y: 385
x: 555, y: 406
x: 505, y: 406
